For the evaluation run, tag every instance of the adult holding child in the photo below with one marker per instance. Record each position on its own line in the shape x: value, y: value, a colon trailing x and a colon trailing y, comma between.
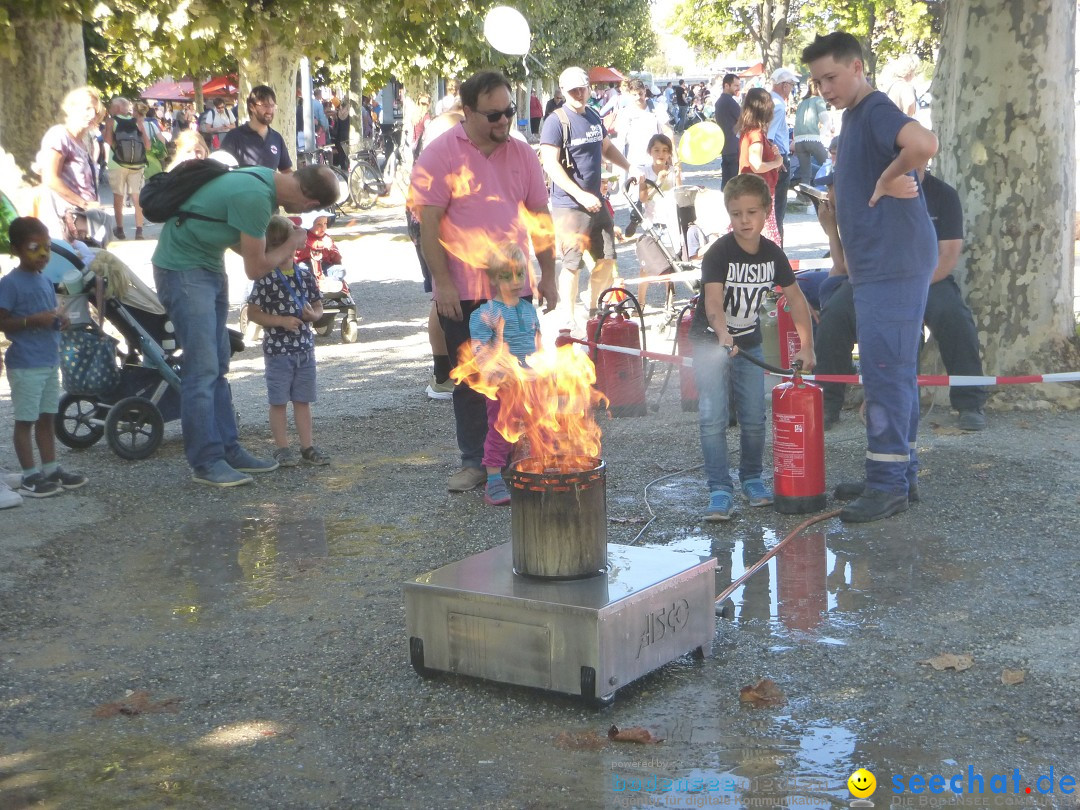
x: 505, y: 179
x: 189, y: 274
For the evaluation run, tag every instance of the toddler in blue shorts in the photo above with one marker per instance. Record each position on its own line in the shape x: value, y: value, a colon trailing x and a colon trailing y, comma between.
x: 285, y: 303
x: 30, y: 318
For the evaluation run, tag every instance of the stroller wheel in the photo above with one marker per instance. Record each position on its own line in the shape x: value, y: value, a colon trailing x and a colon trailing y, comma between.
x: 323, y: 329
x: 77, y: 423
x: 350, y: 330
x: 134, y: 428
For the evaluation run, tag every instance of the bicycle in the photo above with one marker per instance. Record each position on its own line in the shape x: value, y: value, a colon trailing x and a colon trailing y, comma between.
x: 324, y: 156
x: 375, y: 173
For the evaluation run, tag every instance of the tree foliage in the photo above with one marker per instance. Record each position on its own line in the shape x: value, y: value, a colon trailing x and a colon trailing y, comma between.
x: 779, y: 29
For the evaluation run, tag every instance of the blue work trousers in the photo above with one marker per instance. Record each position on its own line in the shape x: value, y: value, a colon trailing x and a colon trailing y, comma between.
x: 888, y: 319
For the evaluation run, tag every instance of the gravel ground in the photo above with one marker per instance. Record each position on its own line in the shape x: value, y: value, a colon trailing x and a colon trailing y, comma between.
x: 258, y: 635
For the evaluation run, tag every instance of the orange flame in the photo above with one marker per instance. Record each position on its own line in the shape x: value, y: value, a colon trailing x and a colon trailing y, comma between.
x: 550, y: 403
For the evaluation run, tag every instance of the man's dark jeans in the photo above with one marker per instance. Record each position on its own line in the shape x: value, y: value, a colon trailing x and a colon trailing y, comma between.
x: 950, y: 322
x: 729, y: 167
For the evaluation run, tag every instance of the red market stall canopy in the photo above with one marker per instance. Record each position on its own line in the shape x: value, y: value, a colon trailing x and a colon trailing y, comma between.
x: 183, y: 90
x: 753, y: 70
x: 599, y: 75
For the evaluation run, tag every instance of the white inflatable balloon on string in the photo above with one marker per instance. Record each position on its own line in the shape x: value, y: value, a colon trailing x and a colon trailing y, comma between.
x: 507, y: 31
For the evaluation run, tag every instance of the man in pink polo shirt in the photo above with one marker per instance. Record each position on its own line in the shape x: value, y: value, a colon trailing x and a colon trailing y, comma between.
x: 469, y: 190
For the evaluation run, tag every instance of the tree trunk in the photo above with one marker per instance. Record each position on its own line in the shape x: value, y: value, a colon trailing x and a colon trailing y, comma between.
x: 356, y: 92
x: 774, y: 21
x: 271, y: 63
x: 51, y: 62
x: 1004, y: 114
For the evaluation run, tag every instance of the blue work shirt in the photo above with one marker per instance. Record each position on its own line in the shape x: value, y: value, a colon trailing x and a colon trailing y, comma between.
x: 895, y: 238
x: 520, y: 326
x: 22, y: 294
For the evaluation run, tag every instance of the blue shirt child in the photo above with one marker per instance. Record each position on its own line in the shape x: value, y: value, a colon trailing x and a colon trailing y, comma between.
x: 23, y: 294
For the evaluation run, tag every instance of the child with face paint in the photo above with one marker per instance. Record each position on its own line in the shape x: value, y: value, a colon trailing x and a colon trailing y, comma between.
x: 32, y: 320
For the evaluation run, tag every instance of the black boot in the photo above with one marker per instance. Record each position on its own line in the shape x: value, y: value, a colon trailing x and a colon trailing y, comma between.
x: 850, y: 490
x: 873, y: 505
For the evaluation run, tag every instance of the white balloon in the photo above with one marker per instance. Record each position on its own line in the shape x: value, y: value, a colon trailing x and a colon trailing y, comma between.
x: 507, y: 31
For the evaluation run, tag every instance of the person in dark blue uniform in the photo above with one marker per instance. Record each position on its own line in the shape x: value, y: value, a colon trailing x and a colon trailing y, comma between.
x: 947, y: 315
x: 891, y: 251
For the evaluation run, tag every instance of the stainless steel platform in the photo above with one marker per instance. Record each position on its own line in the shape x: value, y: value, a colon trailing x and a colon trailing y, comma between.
x: 581, y: 637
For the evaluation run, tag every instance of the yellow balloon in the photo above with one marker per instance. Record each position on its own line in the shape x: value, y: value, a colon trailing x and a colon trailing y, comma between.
x: 702, y: 143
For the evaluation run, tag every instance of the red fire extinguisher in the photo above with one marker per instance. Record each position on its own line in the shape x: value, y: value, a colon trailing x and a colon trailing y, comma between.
x: 789, y: 337
x: 620, y: 377
x: 798, y: 447
x: 685, y: 348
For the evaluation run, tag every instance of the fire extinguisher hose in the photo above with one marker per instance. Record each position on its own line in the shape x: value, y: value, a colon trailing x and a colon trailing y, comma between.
x: 753, y: 569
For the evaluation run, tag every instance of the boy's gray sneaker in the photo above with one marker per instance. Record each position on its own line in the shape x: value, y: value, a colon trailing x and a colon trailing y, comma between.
x: 313, y: 455
x: 37, y: 486
x: 220, y: 474
x: 67, y: 480
x: 243, y: 461
x: 286, y: 457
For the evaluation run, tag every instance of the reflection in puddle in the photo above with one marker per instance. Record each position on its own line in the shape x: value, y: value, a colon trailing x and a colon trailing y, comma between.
x: 259, y: 553
x: 820, y: 576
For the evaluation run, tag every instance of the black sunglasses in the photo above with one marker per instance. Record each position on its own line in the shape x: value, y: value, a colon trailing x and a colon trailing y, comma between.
x: 494, y: 117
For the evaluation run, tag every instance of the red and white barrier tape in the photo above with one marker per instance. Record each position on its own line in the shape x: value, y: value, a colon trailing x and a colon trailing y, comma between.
x: 927, y: 380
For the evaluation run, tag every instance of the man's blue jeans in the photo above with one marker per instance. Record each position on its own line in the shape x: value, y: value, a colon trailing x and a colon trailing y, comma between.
x: 712, y: 370
x: 198, y: 303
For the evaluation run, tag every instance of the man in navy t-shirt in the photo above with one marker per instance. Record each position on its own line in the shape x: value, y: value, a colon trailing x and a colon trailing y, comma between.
x: 727, y: 116
x: 891, y: 252
x: 256, y: 143
x: 575, y: 166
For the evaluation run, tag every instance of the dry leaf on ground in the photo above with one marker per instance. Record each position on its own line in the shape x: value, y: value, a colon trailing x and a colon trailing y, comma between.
x: 636, y: 734
x: 1011, y: 677
x: 627, y: 520
x: 764, y: 693
x: 951, y: 661
x: 580, y: 740
x: 138, y: 702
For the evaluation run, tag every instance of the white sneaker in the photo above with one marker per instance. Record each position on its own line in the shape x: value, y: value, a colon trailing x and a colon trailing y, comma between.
x: 443, y: 390
x: 8, y: 497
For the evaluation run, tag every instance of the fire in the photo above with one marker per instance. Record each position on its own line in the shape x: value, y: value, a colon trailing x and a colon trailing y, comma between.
x: 550, y: 403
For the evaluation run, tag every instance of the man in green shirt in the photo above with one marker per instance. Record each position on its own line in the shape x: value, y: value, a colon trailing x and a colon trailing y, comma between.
x: 189, y: 271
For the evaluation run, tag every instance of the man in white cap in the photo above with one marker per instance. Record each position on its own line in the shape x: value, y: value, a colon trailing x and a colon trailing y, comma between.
x: 783, y: 82
x: 573, y: 147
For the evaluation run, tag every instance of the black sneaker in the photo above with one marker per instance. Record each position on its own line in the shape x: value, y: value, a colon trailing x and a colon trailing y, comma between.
x: 37, y: 486
x: 67, y: 480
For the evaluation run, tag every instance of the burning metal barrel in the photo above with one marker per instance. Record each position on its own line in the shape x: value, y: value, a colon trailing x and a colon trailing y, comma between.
x: 559, y: 517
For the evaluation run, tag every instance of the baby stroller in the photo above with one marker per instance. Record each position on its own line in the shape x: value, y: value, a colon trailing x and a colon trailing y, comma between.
x: 133, y: 414
x: 664, y: 241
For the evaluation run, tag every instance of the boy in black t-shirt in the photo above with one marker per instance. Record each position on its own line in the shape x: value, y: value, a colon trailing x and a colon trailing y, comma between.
x: 736, y: 272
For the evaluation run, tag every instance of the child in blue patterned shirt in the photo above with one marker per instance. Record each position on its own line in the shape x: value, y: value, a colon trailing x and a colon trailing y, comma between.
x: 285, y: 303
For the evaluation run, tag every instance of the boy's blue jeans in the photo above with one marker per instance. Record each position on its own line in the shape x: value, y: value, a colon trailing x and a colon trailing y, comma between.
x: 198, y: 303
x: 712, y: 369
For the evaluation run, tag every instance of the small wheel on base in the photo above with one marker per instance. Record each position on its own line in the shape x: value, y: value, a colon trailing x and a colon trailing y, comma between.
x: 416, y: 658
x: 73, y: 422
x: 588, y: 691
x: 134, y: 428
x: 350, y: 330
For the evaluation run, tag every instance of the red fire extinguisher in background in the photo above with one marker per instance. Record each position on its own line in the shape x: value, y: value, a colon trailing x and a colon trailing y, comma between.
x: 619, y: 377
x: 789, y: 337
x: 684, y: 347
x: 798, y: 447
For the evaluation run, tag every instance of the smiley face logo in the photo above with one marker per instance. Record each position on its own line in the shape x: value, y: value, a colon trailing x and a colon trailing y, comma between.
x: 862, y: 783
